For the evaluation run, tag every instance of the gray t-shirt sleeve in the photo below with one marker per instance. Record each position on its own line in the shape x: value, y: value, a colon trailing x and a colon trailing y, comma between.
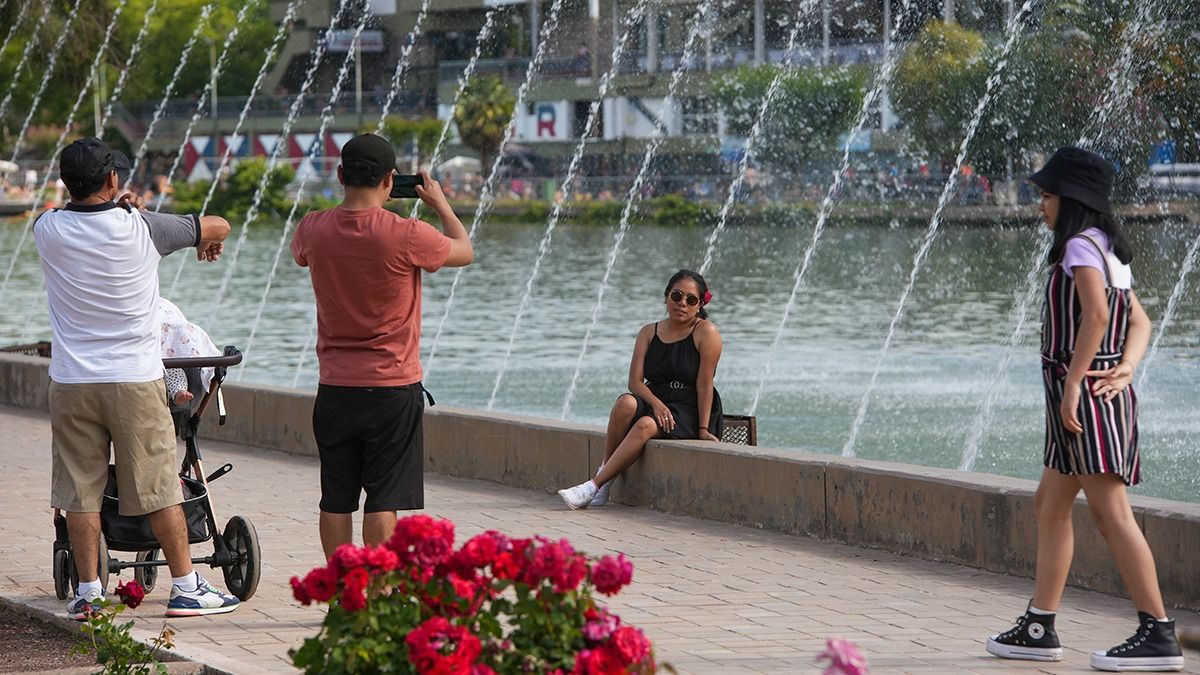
x: 171, y: 232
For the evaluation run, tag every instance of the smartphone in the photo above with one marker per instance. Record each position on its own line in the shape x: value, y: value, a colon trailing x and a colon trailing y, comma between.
x: 404, y: 186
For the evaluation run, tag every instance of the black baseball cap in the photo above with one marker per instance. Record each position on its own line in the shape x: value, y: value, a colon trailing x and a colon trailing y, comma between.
x: 368, y: 156
x: 1079, y: 174
x: 122, y: 166
x: 86, y: 161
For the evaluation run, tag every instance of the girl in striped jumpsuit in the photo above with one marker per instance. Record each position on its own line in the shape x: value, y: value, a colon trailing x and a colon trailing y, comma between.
x: 1094, y: 333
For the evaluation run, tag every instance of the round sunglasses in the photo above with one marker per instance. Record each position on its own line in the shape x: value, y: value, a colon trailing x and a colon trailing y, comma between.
x: 676, y: 295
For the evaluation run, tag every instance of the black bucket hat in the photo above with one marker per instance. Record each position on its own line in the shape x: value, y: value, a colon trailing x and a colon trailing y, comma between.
x: 1079, y: 174
x: 368, y: 156
x: 86, y: 161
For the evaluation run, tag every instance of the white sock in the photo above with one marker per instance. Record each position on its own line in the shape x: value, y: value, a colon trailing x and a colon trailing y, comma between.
x: 187, y: 583
x: 91, y: 589
x: 1035, y: 610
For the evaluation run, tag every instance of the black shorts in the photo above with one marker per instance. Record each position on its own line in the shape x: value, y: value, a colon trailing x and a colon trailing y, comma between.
x: 369, y: 439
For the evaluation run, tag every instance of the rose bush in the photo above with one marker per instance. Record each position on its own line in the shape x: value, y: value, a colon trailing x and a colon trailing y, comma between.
x: 495, y: 605
x: 116, y: 650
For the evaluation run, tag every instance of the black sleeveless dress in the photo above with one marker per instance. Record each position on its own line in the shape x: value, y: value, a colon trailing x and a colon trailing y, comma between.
x: 670, y: 369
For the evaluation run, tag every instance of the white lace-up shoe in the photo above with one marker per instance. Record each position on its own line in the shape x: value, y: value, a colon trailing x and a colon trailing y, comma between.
x: 580, y: 496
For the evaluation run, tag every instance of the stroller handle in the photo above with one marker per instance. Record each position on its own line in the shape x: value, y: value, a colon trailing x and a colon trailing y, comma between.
x: 232, y: 357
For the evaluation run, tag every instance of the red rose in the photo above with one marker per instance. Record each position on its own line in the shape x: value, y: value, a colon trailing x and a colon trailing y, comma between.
x: 464, y: 588
x: 422, y: 540
x: 631, y: 644
x: 611, y: 574
x: 481, y: 550
x: 431, y: 551
x: 300, y: 592
x: 549, y: 561
x: 598, y: 661
x: 600, y: 627
x: 346, y: 557
x: 356, y: 579
x: 131, y: 593
x: 407, y: 529
x: 511, y: 564
x: 321, y: 584
x: 507, y: 566
x: 438, y: 646
x: 353, y: 599
x: 573, y: 572
x: 382, y: 558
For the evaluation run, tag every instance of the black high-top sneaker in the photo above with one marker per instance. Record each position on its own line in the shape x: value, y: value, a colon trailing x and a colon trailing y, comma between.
x: 1153, y: 647
x: 1032, y: 639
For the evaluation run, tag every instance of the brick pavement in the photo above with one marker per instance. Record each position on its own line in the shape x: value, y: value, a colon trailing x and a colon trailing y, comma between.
x: 714, y: 598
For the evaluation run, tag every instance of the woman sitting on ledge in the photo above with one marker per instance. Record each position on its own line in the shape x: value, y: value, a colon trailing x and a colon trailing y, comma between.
x: 671, y: 393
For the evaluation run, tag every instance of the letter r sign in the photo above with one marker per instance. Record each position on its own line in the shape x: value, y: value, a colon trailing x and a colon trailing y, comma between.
x: 547, y: 121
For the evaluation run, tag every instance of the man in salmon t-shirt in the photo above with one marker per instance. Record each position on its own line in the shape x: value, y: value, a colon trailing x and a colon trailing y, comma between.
x: 366, y: 264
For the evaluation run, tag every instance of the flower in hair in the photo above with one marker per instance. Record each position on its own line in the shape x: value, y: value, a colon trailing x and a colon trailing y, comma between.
x: 707, y: 297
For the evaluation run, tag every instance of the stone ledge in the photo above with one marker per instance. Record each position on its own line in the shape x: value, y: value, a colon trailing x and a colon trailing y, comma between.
x: 975, y: 519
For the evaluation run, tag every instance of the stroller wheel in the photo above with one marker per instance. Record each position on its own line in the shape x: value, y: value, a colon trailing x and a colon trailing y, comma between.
x: 146, y: 576
x: 241, y: 577
x: 62, y: 576
x: 101, y: 567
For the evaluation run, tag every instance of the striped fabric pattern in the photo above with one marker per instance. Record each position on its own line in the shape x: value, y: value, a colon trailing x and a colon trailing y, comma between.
x: 1109, y: 442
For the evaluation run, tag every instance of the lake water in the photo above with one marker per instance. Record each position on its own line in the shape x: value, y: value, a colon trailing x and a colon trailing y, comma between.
x: 930, y: 388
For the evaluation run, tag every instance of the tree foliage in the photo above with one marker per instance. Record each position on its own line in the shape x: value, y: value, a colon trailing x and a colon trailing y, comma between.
x: 233, y: 198
x: 812, y: 107
x: 401, y: 131
x: 170, y: 26
x: 937, y: 84
x: 482, y: 116
x: 1121, y: 76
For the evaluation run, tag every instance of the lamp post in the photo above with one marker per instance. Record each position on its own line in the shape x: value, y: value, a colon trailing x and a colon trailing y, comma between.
x: 886, y: 116
x: 535, y: 26
x: 826, y: 17
x: 760, y: 20
x: 652, y: 39
x: 593, y: 48
x: 212, y: 69
x: 358, y: 109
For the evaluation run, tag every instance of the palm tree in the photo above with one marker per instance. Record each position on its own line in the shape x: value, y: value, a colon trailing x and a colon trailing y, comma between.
x: 482, y: 115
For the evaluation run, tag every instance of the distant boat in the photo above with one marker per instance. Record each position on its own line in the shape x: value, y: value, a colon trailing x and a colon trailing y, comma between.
x: 16, y: 207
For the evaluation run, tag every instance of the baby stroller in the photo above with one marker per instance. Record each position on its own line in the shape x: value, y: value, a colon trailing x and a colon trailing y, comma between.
x: 236, y: 549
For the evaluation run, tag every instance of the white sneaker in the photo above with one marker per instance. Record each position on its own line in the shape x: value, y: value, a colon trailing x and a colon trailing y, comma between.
x: 601, y: 497
x: 81, y: 607
x: 206, y: 599
x: 580, y: 496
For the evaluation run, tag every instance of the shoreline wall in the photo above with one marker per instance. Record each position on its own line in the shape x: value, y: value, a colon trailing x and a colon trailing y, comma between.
x: 974, y: 519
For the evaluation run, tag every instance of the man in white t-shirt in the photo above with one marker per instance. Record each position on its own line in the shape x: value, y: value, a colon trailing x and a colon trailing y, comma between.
x: 100, y: 263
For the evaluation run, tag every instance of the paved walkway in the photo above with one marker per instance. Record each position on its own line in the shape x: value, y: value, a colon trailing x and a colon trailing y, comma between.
x: 714, y: 598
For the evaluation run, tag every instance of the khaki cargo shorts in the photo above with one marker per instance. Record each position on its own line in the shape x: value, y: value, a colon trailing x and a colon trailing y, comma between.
x: 133, y: 416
